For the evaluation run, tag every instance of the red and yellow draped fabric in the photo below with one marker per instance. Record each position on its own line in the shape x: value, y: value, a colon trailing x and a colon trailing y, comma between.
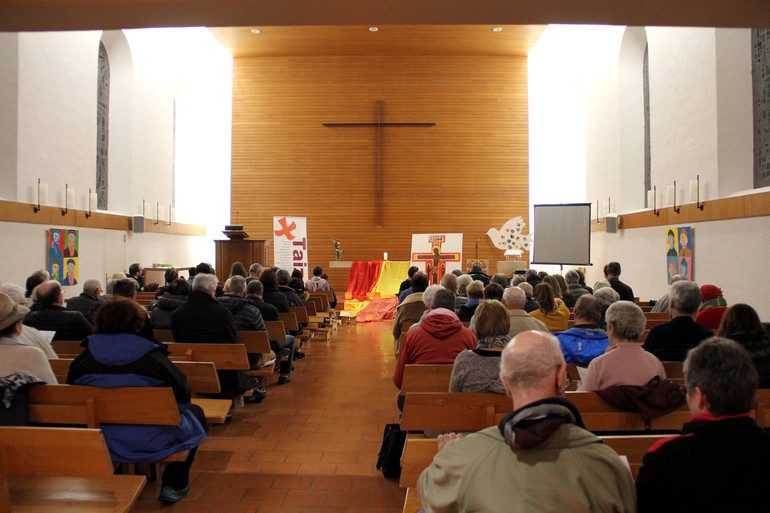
x: 373, y: 289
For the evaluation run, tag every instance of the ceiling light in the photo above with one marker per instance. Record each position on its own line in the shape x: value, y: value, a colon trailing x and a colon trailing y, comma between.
x: 497, y: 29
x: 255, y: 31
x: 373, y: 29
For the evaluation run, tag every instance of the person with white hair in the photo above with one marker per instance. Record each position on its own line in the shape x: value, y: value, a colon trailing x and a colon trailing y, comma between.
x: 624, y: 362
x: 462, y: 296
x: 661, y: 305
x: 539, y: 458
x: 427, y: 299
x: 573, y: 284
x: 515, y: 299
x: 671, y: 341
x: 92, y: 290
x: 531, y: 304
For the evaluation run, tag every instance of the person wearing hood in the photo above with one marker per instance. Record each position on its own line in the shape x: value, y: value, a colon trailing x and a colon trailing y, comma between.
x: 116, y: 355
x: 439, y: 339
x: 712, y: 308
x: 539, y: 458
x: 160, y: 310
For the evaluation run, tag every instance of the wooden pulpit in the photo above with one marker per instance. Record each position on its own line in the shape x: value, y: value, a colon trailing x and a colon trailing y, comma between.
x: 245, y: 251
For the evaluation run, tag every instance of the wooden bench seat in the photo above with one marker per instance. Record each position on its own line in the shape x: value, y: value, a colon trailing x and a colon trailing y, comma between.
x: 202, y: 378
x: 66, y: 470
x: 426, y: 377
x: 67, y: 348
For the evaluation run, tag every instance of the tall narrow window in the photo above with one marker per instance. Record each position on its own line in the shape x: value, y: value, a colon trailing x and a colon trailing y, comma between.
x: 646, y: 93
x: 760, y: 72
x: 102, y: 127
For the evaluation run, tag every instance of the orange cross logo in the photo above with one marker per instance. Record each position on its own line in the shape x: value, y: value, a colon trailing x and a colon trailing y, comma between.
x: 286, y: 230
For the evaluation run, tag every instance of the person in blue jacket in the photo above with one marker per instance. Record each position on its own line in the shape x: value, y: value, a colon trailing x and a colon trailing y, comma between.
x: 115, y: 356
x: 586, y: 340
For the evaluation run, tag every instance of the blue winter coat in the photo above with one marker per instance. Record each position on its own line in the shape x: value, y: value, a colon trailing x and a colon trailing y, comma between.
x: 124, y: 360
x: 581, y: 345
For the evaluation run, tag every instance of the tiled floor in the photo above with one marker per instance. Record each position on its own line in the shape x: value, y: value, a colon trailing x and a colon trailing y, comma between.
x: 311, y: 445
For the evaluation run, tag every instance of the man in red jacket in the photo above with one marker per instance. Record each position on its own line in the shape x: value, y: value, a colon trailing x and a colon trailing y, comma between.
x: 438, y: 339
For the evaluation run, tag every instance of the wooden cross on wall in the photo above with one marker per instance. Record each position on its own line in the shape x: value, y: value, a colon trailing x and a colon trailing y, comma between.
x: 379, y: 124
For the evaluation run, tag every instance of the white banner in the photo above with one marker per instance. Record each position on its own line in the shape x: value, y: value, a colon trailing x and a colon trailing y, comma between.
x: 290, y: 243
x: 437, y: 253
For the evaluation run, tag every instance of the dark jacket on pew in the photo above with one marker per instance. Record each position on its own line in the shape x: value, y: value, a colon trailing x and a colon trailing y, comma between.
x: 160, y: 311
x: 268, y: 311
x: 275, y: 297
x: 68, y: 324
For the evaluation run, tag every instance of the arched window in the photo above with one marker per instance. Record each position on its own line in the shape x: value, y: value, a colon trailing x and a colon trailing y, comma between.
x: 102, y: 127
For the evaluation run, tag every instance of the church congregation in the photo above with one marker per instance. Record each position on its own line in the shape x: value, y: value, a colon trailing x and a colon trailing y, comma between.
x: 390, y: 321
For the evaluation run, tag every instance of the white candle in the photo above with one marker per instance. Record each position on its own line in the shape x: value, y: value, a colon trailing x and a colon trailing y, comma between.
x: 385, y: 256
x: 43, y: 193
x: 669, y: 195
x: 693, y: 191
x: 94, y: 200
x: 70, y: 197
x: 650, y: 199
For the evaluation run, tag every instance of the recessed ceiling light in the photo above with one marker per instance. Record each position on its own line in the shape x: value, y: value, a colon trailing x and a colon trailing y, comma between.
x: 255, y: 31
x: 497, y: 29
x: 373, y: 29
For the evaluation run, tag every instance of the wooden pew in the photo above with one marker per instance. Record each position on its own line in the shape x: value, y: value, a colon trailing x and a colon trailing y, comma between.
x: 63, y: 470
x: 164, y: 335
x: 438, y: 411
x: 313, y: 316
x: 426, y: 377
x: 201, y: 378
x: 77, y: 405
x: 402, y: 334
x: 302, y: 317
x: 67, y: 348
x: 419, y: 452
x: 223, y: 356
x: 674, y: 371
x: 290, y: 322
x: 258, y: 342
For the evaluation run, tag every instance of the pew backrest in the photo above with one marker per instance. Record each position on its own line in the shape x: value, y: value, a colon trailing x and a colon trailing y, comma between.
x: 426, y: 377
x: 47, y: 451
x: 67, y: 348
x: 223, y: 356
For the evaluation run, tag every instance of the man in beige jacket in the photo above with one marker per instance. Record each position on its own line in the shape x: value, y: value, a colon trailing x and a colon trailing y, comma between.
x: 539, y: 459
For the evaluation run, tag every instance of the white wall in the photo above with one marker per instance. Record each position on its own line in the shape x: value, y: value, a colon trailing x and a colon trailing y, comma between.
x: 54, y: 138
x: 700, y: 100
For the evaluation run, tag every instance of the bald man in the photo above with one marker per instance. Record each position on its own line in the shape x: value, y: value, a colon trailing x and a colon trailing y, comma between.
x: 540, y: 457
x: 52, y: 316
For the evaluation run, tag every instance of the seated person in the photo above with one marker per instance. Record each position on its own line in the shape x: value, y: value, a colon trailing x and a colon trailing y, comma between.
x: 539, y: 458
x: 720, y: 449
x: 606, y: 296
x: 475, y: 293
x: 169, y: 276
x: 176, y: 296
x: 15, y: 356
x: 559, y: 290
x: 713, y: 308
x: 116, y: 356
x: 671, y: 341
x: 478, y: 370
x: 624, y: 362
x: 553, y: 312
x: 741, y: 324
x: 83, y: 303
x: 462, y: 285
x: 316, y: 282
x: 412, y: 308
x: 52, y: 316
x: 585, y: 340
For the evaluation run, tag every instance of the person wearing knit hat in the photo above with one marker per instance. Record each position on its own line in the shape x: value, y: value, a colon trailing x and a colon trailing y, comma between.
x: 713, y: 307
x: 15, y: 357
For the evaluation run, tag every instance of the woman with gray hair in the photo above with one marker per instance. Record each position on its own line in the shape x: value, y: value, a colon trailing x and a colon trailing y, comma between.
x: 606, y: 297
x: 624, y: 362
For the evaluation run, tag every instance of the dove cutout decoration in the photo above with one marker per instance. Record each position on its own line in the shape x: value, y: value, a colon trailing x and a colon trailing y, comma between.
x: 511, y: 235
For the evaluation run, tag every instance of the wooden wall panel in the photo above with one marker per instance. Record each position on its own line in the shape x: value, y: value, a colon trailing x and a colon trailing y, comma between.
x: 466, y: 174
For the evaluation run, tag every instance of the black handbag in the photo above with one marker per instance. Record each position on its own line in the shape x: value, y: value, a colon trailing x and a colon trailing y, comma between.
x: 389, y: 458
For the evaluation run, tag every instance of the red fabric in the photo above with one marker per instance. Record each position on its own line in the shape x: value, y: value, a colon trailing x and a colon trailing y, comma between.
x: 711, y: 317
x: 378, y: 310
x: 363, y: 277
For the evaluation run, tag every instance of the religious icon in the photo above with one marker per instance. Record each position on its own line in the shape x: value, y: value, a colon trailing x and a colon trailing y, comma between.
x: 679, y: 252
x: 436, y: 254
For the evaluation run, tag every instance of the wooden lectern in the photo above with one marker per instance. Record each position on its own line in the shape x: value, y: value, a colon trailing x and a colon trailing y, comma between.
x: 245, y: 251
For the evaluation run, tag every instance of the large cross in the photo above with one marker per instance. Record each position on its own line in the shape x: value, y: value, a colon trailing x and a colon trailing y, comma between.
x: 379, y: 124
x: 435, y: 261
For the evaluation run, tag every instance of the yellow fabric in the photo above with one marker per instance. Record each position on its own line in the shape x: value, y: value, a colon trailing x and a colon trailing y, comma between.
x: 353, y: 306
x: 391, y: 276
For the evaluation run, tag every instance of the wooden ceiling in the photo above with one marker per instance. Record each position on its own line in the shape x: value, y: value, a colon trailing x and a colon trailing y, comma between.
x: 32, y: 15
x: 394, y: 40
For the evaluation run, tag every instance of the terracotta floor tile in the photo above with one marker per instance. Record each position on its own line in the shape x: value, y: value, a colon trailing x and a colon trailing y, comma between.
x: 315, y: 469
x: 234, y: 508
x: 349, y: 497
x: 307, y: 497
x: 253, y: 481
x: 305, y: 456
x: 355, y: 469
x: 339, y: 457
x: 332, y: 482
x: 386, y: 498
x: 264, y: 496
x: 223, y: 495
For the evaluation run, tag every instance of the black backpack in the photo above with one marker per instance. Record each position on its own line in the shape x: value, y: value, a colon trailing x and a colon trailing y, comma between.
x: 389, y: 459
